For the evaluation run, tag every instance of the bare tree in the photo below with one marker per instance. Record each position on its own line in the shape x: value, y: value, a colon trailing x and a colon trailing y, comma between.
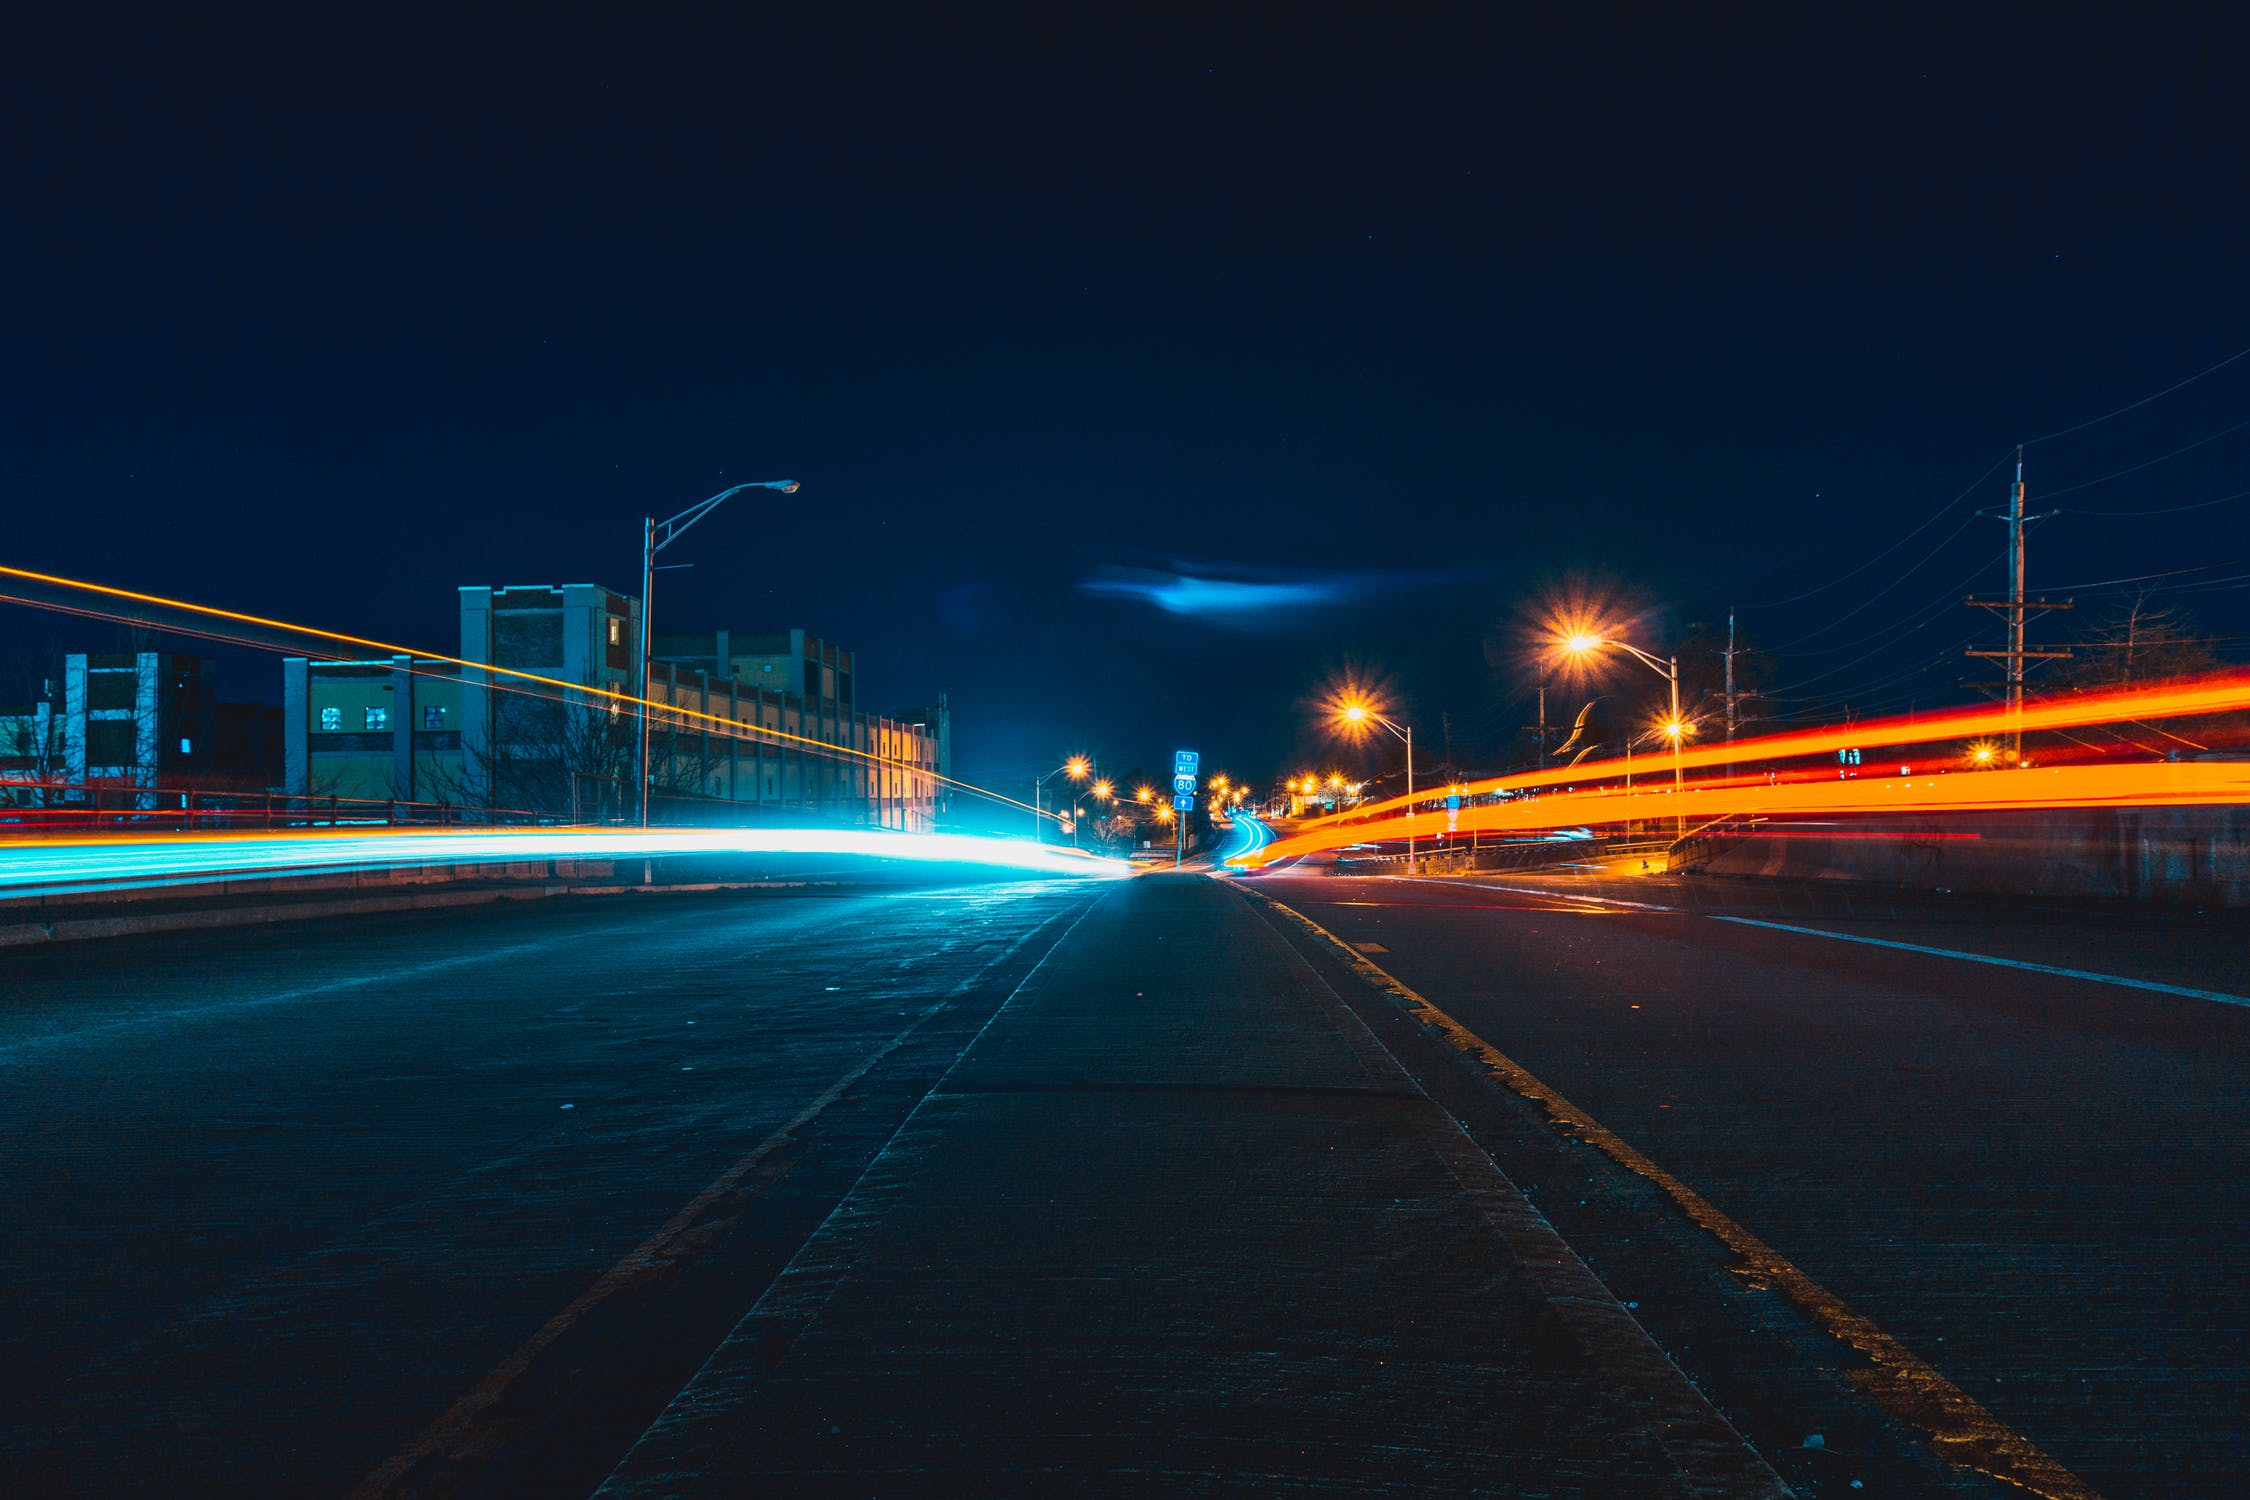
x: 32, y: 721
x: 2140, y: 640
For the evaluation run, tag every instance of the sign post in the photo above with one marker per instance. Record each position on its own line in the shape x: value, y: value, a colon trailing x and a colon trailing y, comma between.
x: 1184, y: 775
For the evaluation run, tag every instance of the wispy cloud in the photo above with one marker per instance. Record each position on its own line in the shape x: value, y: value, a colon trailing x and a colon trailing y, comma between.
x: 1226, y: 594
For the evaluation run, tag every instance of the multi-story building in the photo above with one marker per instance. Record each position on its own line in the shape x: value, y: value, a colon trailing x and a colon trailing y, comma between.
x: 767, y: 720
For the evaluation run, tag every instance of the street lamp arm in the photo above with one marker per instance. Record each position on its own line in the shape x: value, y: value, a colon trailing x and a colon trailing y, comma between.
x: 1654, y: 663
x: 669, y: 531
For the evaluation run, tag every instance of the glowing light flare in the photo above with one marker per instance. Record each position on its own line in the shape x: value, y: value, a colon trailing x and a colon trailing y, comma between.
x: 1077, y: 768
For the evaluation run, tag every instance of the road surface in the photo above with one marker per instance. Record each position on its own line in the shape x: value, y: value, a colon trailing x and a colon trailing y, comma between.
x: 1130, y: 1187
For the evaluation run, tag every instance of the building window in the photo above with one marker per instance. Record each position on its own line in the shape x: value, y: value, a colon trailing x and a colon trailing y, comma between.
x: 187, y: 746
x: 616, y: 631
x: 378, y: 718
x: 433, y: 716
x: 331, y: 718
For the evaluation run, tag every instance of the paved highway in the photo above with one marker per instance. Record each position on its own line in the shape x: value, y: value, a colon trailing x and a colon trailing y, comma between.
x: 1141, y: 1186
x: 2031, y: 1181
x: 278, y: 1198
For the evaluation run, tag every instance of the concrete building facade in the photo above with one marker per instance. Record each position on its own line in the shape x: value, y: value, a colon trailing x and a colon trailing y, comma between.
x: 759, y: 721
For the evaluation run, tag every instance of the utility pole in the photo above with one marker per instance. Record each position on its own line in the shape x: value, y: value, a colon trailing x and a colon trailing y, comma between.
x: 1445, y: 721
x: 1730, y: 674
x: 1540, y: 728
x: 2017, y: 609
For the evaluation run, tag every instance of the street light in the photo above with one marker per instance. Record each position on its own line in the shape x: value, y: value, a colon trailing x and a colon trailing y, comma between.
x: 1077, y: 768
x: 1358, y: 716
x: 655, y: 537
x: 1675, y: 728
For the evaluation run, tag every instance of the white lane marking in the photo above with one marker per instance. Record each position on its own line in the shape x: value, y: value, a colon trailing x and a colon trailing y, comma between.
x: 1521, y: 890
x: 2088, y: 975
x: 2005, y: 963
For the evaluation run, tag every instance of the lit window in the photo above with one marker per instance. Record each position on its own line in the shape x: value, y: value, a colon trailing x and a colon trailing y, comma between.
x: 433, y: 716
x: 378, y: 718
x: 616, y: 631
x: 331, y: 718
x: 187, y: 746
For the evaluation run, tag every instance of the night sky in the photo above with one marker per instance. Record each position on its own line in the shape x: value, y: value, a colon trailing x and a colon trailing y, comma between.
x: 1141, y: 381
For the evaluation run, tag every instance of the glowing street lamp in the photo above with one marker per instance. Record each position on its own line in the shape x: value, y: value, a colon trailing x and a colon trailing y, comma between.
x: 655, y: 537
x: 1144, y: 794
x: 1358, y: 716
x: 1675, y: 728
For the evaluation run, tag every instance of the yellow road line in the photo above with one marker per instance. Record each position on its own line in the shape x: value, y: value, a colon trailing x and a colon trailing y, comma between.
x: 1960, y: 1430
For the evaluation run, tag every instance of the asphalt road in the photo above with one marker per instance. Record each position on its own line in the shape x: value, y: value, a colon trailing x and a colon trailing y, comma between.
x: 1097, y: 1187
x: 2037, y: 1183
x: 278, y: 1198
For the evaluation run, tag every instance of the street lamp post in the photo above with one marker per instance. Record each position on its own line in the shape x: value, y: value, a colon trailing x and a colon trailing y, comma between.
x: 1076, y: 768
x: 655, y: 537
x: 1674, y: 727
x: 1360, y: 713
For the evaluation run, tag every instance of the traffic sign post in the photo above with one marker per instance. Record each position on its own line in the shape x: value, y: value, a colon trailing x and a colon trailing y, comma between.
x: 1184, y: 772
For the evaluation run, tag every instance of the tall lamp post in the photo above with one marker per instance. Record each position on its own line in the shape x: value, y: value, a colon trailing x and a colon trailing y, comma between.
x: 1077, y: 768
x: 655, y: 537
x: 1357, y: 715
x: 1674, y: 728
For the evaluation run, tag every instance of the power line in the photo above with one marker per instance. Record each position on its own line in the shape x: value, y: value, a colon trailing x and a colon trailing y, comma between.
x: 2087, y: 484
x: 1887, y: 551
x: 1869, y: 602
x: 2137, y: 405
x: 2169, y: 510
x: 2104, y: 583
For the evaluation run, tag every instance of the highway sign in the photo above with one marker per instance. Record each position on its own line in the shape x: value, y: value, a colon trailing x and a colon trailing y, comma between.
x: 1184, y: 804
x: 1183, y: 785
x: 1184, y: 762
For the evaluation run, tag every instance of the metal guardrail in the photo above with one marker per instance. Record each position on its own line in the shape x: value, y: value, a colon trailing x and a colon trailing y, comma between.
x: 1514, y: 855
x: 1693, y: 851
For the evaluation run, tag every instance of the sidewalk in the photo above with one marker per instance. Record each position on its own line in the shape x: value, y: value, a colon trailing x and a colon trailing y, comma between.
x: 1176, y: 1224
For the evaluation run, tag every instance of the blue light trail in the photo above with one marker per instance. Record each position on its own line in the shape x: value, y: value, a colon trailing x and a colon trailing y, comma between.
x: 125, y: 862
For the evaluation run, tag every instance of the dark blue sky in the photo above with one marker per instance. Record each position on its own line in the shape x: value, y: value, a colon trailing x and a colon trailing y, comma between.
x: 322, y: 317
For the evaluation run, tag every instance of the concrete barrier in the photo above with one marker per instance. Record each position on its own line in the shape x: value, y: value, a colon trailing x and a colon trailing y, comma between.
x: 2197, y: 856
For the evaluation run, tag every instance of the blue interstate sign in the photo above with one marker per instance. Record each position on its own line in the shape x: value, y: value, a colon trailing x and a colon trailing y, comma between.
x: 1184, y: 762
x: 1183, y: 785
x: 1184, y: 804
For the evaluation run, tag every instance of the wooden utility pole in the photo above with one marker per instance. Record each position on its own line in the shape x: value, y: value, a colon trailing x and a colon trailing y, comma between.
x: 1730, y: 674
x: 2017, y: 609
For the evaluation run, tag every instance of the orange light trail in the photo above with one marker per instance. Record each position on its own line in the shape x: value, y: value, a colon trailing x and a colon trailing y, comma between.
x: 596, y: 694
x: 2169, y: 701
x: 2160, y: 784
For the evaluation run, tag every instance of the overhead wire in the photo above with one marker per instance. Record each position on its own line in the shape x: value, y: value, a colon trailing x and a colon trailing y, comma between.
x: 2137, y: 405
x: 2046, y: 493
